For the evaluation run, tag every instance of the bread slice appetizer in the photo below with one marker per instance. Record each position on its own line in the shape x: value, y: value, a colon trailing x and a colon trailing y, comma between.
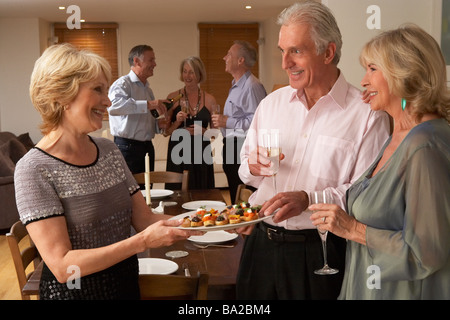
x: 222, y: 220
x: 209, y: 219
x: 234, y: 218
x: 239, y: 212
x: 196, y: 221
x: 249, y: 215
x: 186, y: 222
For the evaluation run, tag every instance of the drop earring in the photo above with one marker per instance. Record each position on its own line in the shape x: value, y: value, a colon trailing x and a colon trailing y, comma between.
x: 403, y: 104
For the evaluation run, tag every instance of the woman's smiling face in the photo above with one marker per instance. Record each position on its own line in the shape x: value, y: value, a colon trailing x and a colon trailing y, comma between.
x: 380, y: 97
x: 85, y: 113
x: 189, y: 77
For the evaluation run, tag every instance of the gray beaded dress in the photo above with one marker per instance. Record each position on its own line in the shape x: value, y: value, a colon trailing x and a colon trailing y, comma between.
x: 96, y: 202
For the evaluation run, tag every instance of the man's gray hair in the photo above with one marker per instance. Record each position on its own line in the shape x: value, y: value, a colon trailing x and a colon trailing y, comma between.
x: 137, y: 51
x: 247, y: 51
x: 324, y: 28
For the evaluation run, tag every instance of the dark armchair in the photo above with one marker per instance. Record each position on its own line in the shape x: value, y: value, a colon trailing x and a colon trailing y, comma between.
x: 12, y: 148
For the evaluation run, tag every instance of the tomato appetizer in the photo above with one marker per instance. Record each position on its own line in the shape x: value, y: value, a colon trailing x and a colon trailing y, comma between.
x: 233, y: 214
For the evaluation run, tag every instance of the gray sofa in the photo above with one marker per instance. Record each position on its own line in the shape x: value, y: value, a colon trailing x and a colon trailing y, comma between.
x: 12, y: 148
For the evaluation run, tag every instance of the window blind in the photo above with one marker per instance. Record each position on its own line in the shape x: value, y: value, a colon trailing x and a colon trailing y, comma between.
x: 100, y: 38
x: 215, y: 41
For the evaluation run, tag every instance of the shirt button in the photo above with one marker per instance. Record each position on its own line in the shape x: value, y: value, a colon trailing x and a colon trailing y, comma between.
x: 305, y: 136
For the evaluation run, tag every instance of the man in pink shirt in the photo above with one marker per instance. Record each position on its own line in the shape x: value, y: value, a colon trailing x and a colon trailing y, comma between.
x: 329, y: 137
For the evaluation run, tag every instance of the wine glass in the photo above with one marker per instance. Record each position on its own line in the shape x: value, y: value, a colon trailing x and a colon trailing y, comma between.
x: 185, y: 108
x: 323, y: 197
x: 271, y: 141
x: 216, y: 109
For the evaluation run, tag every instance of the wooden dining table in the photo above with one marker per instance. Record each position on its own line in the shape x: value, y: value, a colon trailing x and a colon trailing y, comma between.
x: 221, y: 263
x: 173, y: 204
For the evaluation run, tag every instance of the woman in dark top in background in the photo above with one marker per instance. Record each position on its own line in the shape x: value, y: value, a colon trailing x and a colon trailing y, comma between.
x: 189, y: 149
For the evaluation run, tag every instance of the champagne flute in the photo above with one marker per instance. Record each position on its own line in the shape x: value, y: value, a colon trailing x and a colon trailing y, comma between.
x: 323, y: 197
x: 271, y: 141
x: 216, y: 109
x: 185, y: 108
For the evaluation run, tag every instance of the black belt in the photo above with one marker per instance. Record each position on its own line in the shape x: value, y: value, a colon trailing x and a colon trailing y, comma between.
x: 280, y: 234
x: 131, y: 141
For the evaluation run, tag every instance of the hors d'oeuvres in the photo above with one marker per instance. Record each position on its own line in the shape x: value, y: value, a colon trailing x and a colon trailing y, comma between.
x: 222, y: 219
x: 186, y: 222
x: 196, y: 221
x: 234, y: 218
x: 249, y: 215
x: 209, y: 219
x: 234, y: 214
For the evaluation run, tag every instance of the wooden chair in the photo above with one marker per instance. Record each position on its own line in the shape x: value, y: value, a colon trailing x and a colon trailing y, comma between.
x: 242, y: 194
x: 173, y: 287
x: 22, y: 259
x: 165, y: 177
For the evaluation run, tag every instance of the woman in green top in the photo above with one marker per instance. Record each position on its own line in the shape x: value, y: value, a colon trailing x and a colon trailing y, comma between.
x: 398, y: 217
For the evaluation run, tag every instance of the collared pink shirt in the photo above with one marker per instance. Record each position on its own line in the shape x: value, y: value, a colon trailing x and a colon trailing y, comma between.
x: 327, y: 147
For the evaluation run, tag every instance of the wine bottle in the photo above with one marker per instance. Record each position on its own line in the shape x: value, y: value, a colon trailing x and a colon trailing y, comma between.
x: 168, y: 105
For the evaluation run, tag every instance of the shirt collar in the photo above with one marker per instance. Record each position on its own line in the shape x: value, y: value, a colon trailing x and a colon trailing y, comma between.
x: 241, y: 80
x: 338, y: 92
x: 134, y: 78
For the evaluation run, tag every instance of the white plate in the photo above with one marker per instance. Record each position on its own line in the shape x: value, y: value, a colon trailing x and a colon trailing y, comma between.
x: 156, y: 266
x: 217, y: 228
x: 194, y: 205
x: 158, y: 193
x: 214, y: 237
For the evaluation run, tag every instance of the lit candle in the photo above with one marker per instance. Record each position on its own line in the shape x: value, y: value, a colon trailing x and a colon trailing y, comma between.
x: 147, y: 180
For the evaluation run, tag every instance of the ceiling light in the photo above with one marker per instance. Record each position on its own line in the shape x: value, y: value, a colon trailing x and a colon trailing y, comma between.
x: 61, y: 8
x: 248, y: 7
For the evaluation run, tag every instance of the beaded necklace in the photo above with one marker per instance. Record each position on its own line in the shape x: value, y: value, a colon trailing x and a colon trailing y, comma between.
x: 198, y: 103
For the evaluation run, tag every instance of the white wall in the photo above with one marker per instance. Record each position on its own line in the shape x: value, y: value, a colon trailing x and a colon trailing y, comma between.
x: 351, y: 17
x: 19, y: 49
x: 270, y: 66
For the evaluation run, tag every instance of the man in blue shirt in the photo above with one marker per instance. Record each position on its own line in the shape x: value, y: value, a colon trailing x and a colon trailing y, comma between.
x: 244, y: 96
x: 130, y: 120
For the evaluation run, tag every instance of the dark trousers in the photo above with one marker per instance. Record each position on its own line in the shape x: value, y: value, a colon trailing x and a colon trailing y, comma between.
x: 134, y: 152
x: 231, y: 163
x: 284, y: 270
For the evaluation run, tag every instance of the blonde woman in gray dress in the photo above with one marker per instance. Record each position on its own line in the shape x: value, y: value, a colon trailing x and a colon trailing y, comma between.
x: 75, y: 193
x: 398, y: 220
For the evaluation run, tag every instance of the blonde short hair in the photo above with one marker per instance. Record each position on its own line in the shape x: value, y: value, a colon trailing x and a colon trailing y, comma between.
x: 56, y: 80
x: 414, y: 68
x: 197, y: 66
